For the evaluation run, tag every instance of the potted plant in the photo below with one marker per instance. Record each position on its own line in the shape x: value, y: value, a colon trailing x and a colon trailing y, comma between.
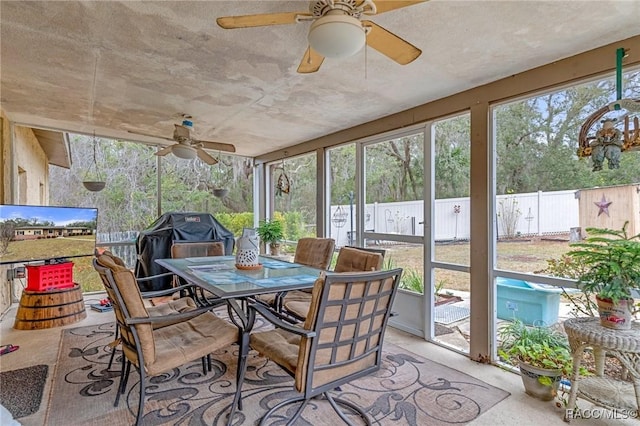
x: 541, y: 353
x: 612, y: 260
x: 271, y: 233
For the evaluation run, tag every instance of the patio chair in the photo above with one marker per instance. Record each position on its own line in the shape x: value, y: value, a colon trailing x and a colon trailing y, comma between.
x: 340, y: 341
x: 194, y: 334
x: 182, y: 249
x: 350, y: 259
x: 185, y: 249
x: 177, y: 306
x: 314, y: 252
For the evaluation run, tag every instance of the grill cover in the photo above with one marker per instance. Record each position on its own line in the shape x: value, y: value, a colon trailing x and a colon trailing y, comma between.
x: 155, y: 243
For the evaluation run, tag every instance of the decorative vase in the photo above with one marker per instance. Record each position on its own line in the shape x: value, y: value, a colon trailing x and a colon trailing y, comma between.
x: 531, y: 381
x: 616, y: 316
x: 248, y: 250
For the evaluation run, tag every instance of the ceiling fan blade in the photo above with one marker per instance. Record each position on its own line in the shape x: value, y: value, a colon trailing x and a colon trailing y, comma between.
x: 164, y: 151
x: 206, y: 157
x: 261, y: 20
x: 151, y: 135
x: 216, y: 146
x: 390, y: 44
x: 385, y: 6
x: 310, y: 62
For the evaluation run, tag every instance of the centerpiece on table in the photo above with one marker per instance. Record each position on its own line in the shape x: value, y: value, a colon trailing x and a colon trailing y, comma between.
x: 248, y: 250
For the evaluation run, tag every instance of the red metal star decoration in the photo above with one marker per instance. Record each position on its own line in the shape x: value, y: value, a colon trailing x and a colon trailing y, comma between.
x: 603, y: 205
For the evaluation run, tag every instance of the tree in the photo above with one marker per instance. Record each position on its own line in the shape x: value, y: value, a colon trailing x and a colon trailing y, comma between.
x: 7, y: 231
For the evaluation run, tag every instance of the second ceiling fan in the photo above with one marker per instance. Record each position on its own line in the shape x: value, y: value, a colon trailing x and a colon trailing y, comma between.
x: 338, y: 30
x: 187, y: 146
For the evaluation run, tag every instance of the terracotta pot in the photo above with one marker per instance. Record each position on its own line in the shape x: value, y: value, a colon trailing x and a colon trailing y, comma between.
x: 532, y: 386
x: 616, y: 316
x: 274, y: 249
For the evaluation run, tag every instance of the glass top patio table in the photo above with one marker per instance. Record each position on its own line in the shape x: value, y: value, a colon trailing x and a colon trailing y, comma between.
x: 220, y: 276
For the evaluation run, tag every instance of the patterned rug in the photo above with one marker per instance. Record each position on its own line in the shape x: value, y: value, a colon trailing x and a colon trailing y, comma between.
x: 408, y: 390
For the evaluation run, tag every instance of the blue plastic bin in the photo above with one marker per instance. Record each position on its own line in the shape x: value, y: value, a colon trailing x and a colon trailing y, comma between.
x: 533, y: 304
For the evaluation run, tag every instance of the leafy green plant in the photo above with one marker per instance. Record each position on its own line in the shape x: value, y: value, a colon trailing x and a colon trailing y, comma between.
x: 612, y: 261
x: 412, y: 280
x: 539, y: 346
x: 270, y: 231
x: 581, y: 303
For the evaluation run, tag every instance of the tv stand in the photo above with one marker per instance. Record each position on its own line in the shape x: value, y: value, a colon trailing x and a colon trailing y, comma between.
x: 38, y: 309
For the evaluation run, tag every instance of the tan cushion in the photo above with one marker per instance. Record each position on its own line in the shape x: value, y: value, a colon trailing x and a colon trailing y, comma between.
x: 297, y: 302
x: 189, y: 340
x: 116, y: 259
x: 184, y: 304
x: 128, y: 289
x: 315, y: 252
x: 354, y: 260
x: 268, y: 298
x: 197, y: 249
x: 278, y: 345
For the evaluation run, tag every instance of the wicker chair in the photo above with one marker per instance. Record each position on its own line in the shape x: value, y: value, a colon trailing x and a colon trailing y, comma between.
x: 350, y: 259
x: 314, y: 252
x: 340, y: 341
x: 194, y: 334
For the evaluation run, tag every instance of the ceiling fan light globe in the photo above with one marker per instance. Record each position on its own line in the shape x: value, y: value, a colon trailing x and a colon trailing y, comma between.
x: 337, y: 36
x: 184, y: 151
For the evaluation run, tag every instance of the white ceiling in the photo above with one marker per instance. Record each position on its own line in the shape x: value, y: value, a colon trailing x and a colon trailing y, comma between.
x: 109, y: 66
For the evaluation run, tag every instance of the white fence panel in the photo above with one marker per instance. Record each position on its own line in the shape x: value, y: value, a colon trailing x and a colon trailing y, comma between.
x: 535, y: 213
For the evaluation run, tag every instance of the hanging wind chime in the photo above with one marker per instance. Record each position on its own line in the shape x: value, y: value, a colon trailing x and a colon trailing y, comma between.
x: 283, y: 185
x: 93, y: 178
x: 609, y: 142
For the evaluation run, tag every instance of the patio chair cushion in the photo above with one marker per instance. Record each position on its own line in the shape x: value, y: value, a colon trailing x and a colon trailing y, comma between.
x: 349, y: 260
x: 177, y: 306
x: 128, y: 288
x: 279, y: 345
x: 180, y: 343
x: 352, y: 259
x: 197, y: 249
x: 315, y: 252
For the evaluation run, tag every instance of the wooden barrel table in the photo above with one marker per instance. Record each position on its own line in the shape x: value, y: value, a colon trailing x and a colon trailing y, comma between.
x: 46, y: 309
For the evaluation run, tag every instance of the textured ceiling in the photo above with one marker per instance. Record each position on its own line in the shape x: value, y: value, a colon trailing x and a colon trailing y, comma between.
x: 110, y: 67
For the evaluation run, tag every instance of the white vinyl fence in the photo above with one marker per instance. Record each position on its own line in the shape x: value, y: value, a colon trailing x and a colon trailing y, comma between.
x: 535, y: 213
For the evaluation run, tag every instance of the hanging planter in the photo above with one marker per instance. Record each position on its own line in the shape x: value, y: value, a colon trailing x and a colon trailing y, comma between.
x: 93, y: 178
x: 219, y: 190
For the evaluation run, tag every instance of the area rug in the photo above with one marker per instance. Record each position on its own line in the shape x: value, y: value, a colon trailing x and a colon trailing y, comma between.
x: 408, y: 390
x: 21, y: 390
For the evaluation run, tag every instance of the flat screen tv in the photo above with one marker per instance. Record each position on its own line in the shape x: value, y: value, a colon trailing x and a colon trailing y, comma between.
x: 46, y: 233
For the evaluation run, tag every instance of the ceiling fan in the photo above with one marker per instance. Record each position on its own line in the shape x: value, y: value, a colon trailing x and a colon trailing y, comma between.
x: 188, y: 147
x: 338, y: 30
